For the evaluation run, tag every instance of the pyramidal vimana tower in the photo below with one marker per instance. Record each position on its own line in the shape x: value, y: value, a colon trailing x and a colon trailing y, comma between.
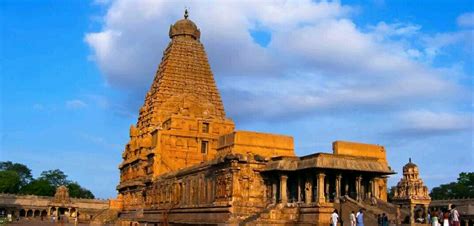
x: 186, y: 164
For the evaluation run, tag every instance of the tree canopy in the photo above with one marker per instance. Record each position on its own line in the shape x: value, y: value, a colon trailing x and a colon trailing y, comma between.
x: 55, y: 177
x: 38, y: 187
x: 462, y: 188
x: 23, y: 171
x: 16, y: 178
x: 9, y: 182
x: 75, y: 190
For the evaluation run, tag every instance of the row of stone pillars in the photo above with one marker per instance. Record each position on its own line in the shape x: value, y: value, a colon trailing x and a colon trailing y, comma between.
x: 412, y: 212
x: 56, y: 211
x: 321, y: 189
x: 27, y: 212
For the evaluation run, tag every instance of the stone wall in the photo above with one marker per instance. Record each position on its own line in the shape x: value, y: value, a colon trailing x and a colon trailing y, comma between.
x: 263, y: 144
x: 360, y: 150
x: 226, y: 189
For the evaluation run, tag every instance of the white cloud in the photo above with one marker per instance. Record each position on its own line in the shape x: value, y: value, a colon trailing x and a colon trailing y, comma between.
x: 384, y: 30
x: 318, y: 59
x: 466, y: 20
x: 75, y: 104
x: 430, y: 122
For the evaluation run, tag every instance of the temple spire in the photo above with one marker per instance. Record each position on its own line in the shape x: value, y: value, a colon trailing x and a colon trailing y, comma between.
x: 186, y: 15
x: 409, y: 160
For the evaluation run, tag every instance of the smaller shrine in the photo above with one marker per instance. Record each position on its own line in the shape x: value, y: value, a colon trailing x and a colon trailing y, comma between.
x: 57, y: 208
x: 61, y: 205
x: 411, y: 193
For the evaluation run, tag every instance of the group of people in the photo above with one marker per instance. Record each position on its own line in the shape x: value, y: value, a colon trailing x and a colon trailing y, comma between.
x: 356, y: 219
x: 382, y: 219
x: 62, y: 219
x: 445, y: 217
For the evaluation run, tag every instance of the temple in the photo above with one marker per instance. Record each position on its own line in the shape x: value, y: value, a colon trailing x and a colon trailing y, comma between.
x: 61, y: 206
x: 186, y: 164
x: 411, y: 193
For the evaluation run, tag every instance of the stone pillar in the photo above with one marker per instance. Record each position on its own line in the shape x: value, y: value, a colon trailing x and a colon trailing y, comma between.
x: 183, y: 193
x: 283, y: 188
x: 412, y: 214
x: 338, y: 188
x: 375, y: 191
x: 358, y: 188
x: 49, y: 211
x: 308, y: 190
x: 371, y: 189
x: 299, y: 189
x: 274, y: 191
x: 68, y: 212
x: 320, y: 187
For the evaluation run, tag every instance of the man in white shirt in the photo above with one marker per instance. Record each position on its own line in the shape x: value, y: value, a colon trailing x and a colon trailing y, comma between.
x: 454, y: 216
x: 334, y: 218
x: 352, y: 219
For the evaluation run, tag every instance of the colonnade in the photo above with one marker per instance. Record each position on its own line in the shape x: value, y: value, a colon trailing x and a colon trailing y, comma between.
x: 54, y: 211
x: 320, y: 187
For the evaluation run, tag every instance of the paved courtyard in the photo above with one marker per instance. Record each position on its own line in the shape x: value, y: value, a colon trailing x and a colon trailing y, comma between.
x: 42, y: 223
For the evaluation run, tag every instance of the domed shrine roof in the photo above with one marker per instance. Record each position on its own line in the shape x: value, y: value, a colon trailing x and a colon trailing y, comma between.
x: 410, y: 165
x: 411, y: 186
x: 185, y: 27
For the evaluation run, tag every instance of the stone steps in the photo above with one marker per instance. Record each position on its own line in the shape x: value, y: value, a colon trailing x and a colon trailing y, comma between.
x: 277, y: 215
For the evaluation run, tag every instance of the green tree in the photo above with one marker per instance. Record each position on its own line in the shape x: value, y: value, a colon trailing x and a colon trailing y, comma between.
x: 391, y: 193
x: 23, y: 171
x: 9, y: 182
x: 464, y: 187
x: 39, y: 187
x: 55, y: 177
x: 76, y: 191
x: 16, y: 178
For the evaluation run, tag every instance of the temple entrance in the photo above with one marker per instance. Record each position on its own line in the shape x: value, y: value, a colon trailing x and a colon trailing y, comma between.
x: 22, y: 213
x: 62, y: 211
x: 330, y: 190
x: 348, y: 186
x: 292, y: 189
x: 53, y: 211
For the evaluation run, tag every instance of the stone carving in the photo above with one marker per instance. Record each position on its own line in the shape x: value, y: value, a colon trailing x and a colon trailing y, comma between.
x: 62, y: 195
x: 185, y: 162
x: 308, y: 190
x: 411, y: 186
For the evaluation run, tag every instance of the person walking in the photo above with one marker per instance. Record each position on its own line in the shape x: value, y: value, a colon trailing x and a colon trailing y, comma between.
x: 334, y: 218
x: 434, y: 218
x: 446, y: 218
x: 379, y: 220
x: 360, y: 218
x: 384, y: 219
x: 454, y: 216
x: 440, y: 216
x: 352, y: 219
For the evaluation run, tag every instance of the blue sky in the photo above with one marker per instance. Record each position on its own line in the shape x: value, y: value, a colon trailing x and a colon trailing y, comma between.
x: 395, y: 73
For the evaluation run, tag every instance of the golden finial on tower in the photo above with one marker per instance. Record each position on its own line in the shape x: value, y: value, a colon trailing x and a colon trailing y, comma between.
x: 186, y: 15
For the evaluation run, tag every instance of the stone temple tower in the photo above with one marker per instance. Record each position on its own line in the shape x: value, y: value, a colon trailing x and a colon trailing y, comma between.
x: 411, y: 192
x: 181, y: 119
